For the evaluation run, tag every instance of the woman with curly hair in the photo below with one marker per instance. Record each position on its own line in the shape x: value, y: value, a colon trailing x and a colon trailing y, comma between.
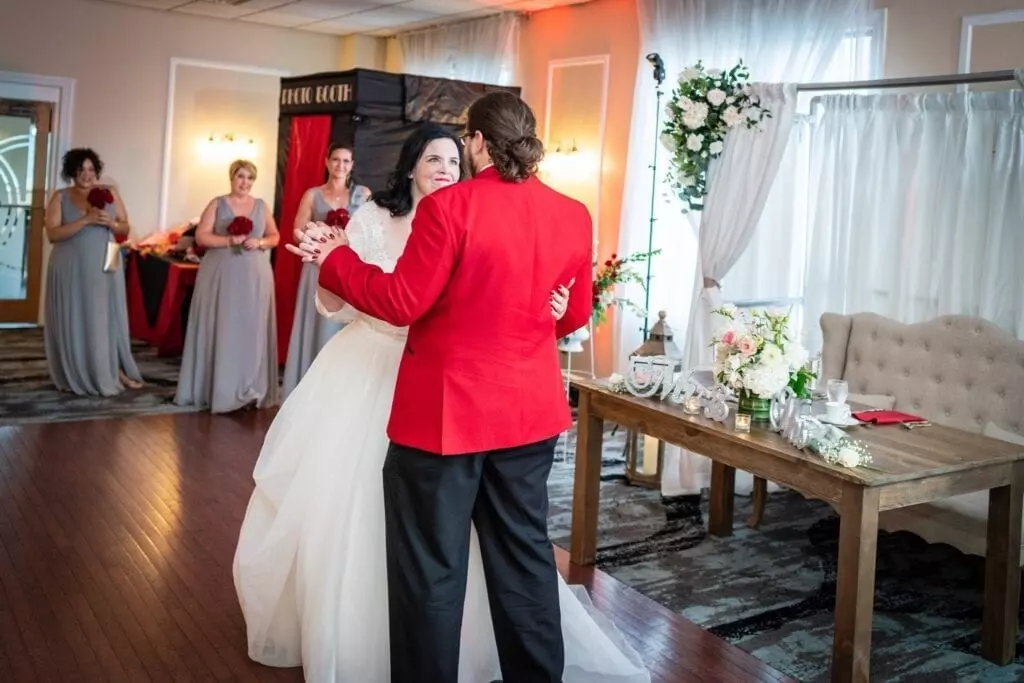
x: 86, y: 316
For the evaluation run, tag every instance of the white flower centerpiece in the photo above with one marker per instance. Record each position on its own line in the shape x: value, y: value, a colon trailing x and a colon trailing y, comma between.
x: 756, y: 357
x: 704, y: 106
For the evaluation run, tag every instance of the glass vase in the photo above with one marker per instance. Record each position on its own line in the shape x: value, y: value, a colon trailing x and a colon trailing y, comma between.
x: 759, y: 409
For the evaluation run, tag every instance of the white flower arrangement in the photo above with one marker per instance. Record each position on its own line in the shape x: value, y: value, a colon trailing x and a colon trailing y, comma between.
x: 756, y: 354
x: 843, y: 452
x: 617, y: 383
x: 704, y: 106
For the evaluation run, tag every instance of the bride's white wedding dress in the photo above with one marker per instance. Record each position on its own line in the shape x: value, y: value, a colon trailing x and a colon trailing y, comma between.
x: 310, y: 564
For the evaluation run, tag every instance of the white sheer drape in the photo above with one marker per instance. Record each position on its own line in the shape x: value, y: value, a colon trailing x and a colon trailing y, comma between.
x: 738, y: 186
x: 482, y: 50
x: 918, y: 207
x: 782, y: 41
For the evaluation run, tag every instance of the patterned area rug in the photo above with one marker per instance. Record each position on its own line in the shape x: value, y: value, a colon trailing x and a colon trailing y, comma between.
x: 28, y: 395
x: 771, y: 591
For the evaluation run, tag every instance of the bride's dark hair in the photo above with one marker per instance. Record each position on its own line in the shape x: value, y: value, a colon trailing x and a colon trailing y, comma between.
x: 397, y: 198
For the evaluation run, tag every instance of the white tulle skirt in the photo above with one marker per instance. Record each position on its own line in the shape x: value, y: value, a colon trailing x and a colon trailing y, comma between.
x: 310, y: 565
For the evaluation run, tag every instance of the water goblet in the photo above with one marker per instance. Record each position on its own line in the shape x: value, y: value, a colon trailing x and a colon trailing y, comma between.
x: 838, y: 390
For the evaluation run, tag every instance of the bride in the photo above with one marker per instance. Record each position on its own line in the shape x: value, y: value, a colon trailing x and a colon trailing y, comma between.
x: 310, y: 566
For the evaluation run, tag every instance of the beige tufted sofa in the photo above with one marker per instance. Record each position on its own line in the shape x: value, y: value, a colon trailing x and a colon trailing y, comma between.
x: 959, y: 371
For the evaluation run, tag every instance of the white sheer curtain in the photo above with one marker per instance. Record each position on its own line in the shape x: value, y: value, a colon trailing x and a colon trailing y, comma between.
x: 918, y: 207
x: 482, y: 50
x: 782, y: 41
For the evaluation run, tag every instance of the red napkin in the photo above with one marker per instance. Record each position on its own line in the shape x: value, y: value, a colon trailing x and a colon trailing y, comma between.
x: 886, y: 417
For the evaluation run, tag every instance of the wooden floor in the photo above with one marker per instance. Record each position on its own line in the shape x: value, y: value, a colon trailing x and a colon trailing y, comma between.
x: 116, y: 542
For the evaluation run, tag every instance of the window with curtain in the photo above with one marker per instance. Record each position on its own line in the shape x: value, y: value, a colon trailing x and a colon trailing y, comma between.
x: 772, y: 271
x: 791, y: 41
x: 482, y: 50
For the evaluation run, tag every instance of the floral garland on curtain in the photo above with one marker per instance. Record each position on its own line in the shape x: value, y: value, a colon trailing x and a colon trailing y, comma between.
x: 705, y: 105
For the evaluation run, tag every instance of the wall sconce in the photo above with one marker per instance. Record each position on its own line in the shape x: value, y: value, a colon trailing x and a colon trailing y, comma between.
x: 568, y: 164
x: 225, y: 147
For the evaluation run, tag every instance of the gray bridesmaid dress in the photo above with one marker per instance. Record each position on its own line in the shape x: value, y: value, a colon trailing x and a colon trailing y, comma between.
x: 310, y: 330
x: 230, y: 356
x: 86, y: 316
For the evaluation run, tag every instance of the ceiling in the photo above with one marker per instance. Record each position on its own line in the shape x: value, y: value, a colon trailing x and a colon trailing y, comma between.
x: 344, y: 17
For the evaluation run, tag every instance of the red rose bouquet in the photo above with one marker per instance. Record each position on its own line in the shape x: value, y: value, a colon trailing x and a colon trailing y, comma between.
x: 338, y: 218
x: 100, y: 197
x: 241, y: 226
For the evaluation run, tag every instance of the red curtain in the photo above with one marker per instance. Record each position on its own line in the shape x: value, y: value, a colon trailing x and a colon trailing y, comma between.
x: 304, y: 168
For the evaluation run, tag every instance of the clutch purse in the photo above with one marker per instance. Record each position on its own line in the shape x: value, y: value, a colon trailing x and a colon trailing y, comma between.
x: 112, y: 258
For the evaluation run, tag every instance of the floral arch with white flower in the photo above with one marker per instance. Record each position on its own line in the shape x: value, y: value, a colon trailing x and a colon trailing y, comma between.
x: 705, y: 105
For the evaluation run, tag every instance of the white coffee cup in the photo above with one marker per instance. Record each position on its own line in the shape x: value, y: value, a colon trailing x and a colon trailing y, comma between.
x: 837, y: 412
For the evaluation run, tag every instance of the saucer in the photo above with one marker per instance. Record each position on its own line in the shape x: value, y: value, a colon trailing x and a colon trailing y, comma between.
x: 844, y: 422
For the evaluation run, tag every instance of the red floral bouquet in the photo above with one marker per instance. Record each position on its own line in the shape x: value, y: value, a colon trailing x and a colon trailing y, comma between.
x: 100, y: 197
x: 241, y: 226
x: 338, y: 218
x: 616, y: 271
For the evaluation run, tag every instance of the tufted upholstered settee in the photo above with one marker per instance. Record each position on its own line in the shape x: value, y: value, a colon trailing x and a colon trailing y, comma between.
x: 958, y: 371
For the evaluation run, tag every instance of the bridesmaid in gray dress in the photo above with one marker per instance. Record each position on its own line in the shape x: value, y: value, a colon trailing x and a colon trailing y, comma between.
x: 230, y: 356
x: 88, y: 348
x: 310, y: 330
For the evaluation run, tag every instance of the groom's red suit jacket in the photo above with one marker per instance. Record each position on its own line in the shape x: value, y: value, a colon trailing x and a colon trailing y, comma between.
x: 480, y: 370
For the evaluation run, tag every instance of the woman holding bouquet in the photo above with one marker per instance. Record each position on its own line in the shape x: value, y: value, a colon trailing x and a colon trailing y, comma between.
x: 230, y: 356
x: 332, y: 203
x: 86, y: 317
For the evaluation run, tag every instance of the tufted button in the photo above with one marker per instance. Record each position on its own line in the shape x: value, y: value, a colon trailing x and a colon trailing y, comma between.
x: 990, y: 359
x: 949, y: 324
x: 1001, y: 393
x: 874, y: 335
x: 927, y: 346
x: 957, y: 353
x: 968, y: 385
x: 906, y: 372
x: 948, y: 412
x: 917, y: 405
x: 977, y: 330
x: 978, y: 419
x: 899, y: 341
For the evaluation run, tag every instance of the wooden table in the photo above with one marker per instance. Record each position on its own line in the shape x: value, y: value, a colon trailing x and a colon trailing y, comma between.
x: 916, y: 466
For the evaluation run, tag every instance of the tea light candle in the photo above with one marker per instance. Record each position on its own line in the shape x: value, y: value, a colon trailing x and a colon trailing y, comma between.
x: 691, y: 405
x: 742, y: 423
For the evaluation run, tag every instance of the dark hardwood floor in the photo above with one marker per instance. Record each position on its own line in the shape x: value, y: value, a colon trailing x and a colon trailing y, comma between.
x: 116, y: 543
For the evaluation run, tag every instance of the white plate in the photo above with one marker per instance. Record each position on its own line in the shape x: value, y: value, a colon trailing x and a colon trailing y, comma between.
x: 845, y: 422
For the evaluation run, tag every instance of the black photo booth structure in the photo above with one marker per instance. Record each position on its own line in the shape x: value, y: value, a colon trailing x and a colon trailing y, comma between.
x: 371, y: 112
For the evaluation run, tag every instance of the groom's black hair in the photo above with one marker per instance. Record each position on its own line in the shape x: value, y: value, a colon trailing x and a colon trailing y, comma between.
x: 397, y: 198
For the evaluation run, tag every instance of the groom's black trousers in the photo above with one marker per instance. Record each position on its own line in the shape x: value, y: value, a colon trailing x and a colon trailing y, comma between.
x: 429, y: 501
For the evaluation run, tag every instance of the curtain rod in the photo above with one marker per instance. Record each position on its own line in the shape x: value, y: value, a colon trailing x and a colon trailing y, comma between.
x: 915, y: 82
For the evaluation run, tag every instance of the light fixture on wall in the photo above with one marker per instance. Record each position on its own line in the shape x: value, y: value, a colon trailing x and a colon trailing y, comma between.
x: 225, y: 147
x: 567, y: 164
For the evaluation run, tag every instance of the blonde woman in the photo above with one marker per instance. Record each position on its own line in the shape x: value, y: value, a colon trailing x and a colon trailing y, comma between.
x: 230, y: 356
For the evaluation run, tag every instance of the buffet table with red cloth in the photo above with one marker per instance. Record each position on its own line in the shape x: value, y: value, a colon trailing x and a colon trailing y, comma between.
x: 159, y: 292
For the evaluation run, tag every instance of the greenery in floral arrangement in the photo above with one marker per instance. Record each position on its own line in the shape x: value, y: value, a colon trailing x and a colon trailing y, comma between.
x: 704, y: 106
x: 616, y: 271
x: 756, y: 354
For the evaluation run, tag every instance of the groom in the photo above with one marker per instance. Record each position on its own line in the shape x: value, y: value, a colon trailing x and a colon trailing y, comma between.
x: 479, y: 401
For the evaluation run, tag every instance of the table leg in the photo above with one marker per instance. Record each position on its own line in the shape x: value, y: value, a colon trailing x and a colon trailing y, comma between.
x: 999, y: 623
x: 721, y: 498
x: 586, y: 491
x: 855, y: 587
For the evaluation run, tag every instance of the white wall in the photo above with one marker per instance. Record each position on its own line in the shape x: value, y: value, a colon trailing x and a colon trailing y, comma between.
x: 120, y: 57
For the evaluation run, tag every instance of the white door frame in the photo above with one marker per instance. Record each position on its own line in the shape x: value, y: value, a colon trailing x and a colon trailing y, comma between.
x: 165, y: 176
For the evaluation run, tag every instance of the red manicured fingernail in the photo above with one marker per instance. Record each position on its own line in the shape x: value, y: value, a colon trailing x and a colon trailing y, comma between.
x: 316, y: 251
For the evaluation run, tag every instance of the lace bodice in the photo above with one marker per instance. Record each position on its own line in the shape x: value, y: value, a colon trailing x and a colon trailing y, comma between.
x: 379, y: 239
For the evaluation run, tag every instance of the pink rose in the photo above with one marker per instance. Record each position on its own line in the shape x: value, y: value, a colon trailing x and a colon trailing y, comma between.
x: 746, y: 346
x: 729, y: 337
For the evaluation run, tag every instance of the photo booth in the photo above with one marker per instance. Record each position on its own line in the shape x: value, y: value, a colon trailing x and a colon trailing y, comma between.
x: 370, y: 111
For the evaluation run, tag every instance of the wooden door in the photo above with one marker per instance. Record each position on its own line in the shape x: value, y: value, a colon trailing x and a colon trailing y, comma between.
x: 25, y: 129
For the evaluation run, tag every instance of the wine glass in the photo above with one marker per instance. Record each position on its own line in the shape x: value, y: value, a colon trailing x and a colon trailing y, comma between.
x: 838, y: 390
